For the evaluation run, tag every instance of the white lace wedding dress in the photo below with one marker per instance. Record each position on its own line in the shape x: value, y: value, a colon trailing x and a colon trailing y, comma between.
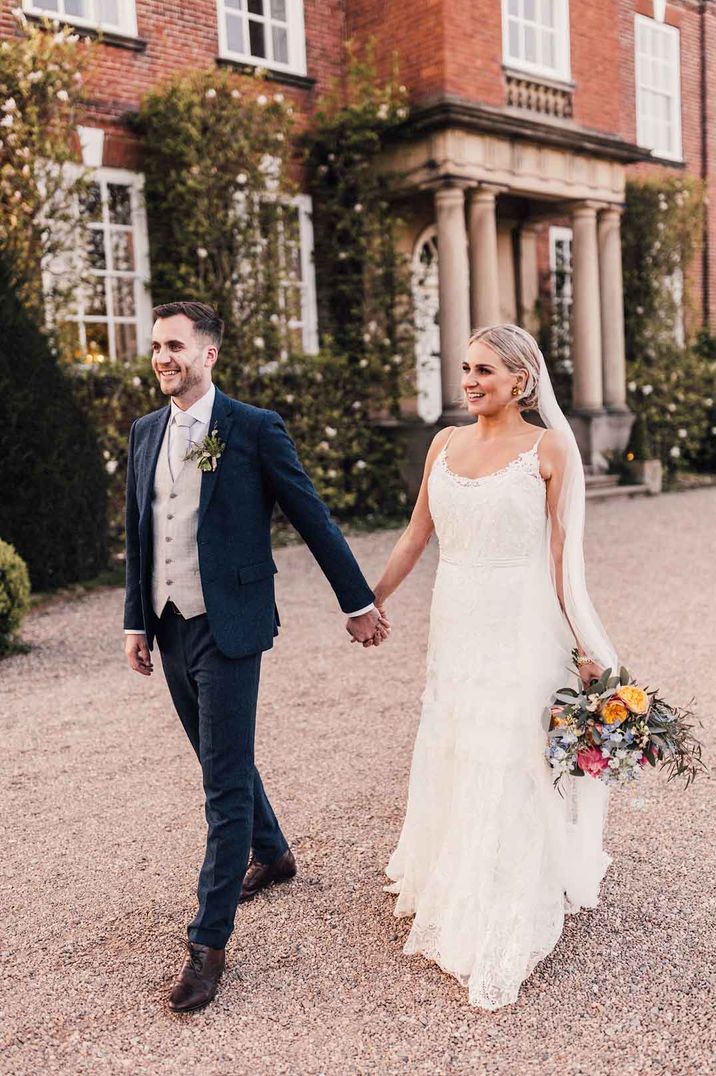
x: 491, y: 856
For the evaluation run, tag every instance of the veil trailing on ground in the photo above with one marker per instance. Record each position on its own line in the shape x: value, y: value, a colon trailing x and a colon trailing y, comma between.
x: 586, y: 798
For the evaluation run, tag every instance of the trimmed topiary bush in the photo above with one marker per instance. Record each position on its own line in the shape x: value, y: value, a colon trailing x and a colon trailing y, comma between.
x: 53, y: 488
x: 14, y: 595
x: 639, y: 447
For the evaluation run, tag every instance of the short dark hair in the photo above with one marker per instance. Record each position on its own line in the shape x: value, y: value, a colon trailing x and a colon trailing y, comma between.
x: 205, y: 318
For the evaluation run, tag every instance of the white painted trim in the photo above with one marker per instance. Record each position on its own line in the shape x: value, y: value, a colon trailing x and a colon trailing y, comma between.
x: 296, y: 41
x: 127, y: 23
x: 672, y: 33
x: 309, y: 304
x: 141, y: 273
x: 428, y: 374
x: 563, y: 69
x: 92, y: 145
x: 556, y: 233
x: 659, y: 10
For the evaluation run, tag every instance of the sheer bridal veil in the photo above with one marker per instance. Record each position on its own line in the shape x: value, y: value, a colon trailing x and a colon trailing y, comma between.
x: 519, y: 350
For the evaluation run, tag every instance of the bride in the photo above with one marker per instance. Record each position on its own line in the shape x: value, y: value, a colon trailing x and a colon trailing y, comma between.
x: 491, y: 856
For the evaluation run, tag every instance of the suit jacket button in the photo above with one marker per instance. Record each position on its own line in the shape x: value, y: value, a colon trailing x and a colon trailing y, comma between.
x: 170, y: 515
x: 168, y: 538
x: 173, y: 495
x: 170, y: 582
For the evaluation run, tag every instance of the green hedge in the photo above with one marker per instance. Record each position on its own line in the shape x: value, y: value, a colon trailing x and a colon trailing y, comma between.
x: 353, y: 463
x: 14, y: 595
x: 53, y: 488
x: 671, y: 380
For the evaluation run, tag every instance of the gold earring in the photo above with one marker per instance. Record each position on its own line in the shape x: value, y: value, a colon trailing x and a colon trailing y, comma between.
x: 516, y: 390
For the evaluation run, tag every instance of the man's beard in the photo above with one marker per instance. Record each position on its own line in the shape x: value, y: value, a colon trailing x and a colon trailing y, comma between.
x: 182, y: 384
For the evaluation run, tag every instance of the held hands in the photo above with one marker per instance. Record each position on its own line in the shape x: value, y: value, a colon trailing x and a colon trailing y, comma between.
x: 138, y: 655
x: 370, y: 629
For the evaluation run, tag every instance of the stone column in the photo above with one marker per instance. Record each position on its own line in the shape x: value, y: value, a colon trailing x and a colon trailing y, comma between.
x: 587, y: 392
x: 612, y: 304
x: 528, y: 278
x: 454, y: 290
x: 484, y: 274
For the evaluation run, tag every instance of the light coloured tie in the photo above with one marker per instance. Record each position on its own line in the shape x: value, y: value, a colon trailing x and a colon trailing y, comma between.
x: 179, y: 442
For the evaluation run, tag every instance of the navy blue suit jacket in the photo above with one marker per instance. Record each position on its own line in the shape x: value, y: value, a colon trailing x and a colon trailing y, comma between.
x: 257, y: 468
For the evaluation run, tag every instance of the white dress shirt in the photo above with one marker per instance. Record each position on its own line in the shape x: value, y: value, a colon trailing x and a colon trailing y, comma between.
x: 201, y: 412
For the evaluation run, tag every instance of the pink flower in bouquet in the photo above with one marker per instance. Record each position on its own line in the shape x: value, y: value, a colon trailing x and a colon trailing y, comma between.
x: 592, y: 761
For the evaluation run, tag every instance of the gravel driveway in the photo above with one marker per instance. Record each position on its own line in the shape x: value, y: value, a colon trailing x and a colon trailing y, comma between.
x: 103, y: 834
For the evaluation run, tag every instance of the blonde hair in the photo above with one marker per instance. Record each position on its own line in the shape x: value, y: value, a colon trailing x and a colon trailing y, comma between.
x: 518, y: 351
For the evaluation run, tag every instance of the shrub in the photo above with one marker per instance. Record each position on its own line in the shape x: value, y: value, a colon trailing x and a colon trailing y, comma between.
x: 14, y: 595
x: 321, y: 398
x: 52, y: 483
x: 115, y: 394
x: 324, y: 402
x: 222, y: 229
x: 217, y: 191
x: 705, y: 347
x: 639, y: 446
x: 668, y: 391
x: 364, y: 290
x: 41, y: 90
x: 670, y: 381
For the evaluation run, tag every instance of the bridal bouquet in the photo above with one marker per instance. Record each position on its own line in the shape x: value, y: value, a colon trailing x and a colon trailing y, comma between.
x: 612, y: 729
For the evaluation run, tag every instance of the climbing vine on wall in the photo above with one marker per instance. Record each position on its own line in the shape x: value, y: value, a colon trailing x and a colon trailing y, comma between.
x: 671, y: 382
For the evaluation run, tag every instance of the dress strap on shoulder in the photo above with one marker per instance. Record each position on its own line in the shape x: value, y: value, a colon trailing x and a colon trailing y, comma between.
x: 535, y: 446
x: 448, y: 439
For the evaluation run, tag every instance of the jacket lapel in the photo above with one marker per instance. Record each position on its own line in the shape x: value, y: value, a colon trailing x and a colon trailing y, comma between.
x: 155, y: 436
x: 221, y: 420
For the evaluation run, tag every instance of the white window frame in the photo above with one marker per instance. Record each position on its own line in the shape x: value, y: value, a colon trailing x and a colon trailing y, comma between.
x: 126, y: 24
x: 644, y: 25
x: 140, y: 274
x: 559, y: 234
x: 561, y: 71
x: 296, y: 39
x: 308, y: 321
x: 309, y: 305
x: 674, y: 284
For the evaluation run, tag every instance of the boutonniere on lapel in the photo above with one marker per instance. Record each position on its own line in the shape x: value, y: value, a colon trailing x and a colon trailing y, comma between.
x: 209, y: 452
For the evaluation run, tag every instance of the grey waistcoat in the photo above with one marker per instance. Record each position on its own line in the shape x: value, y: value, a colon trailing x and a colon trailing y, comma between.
x: 175, y: 511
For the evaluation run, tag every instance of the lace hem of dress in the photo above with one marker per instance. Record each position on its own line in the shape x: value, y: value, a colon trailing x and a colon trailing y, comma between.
x: 488, y: 988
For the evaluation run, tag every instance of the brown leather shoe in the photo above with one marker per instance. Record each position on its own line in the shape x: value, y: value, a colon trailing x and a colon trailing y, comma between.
x: 196, y: 983
x: 261, y: 875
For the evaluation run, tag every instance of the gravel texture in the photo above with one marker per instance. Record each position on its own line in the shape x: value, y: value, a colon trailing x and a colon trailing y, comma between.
x: 103, y: 835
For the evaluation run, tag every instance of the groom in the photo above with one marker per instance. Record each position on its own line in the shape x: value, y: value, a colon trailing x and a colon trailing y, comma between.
x: 200, y: 582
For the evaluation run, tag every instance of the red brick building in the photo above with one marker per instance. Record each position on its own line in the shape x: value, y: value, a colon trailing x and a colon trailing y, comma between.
x: 527, y: 118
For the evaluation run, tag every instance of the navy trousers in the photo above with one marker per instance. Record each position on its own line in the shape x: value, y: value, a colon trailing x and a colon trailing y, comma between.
x: 215, y: 698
